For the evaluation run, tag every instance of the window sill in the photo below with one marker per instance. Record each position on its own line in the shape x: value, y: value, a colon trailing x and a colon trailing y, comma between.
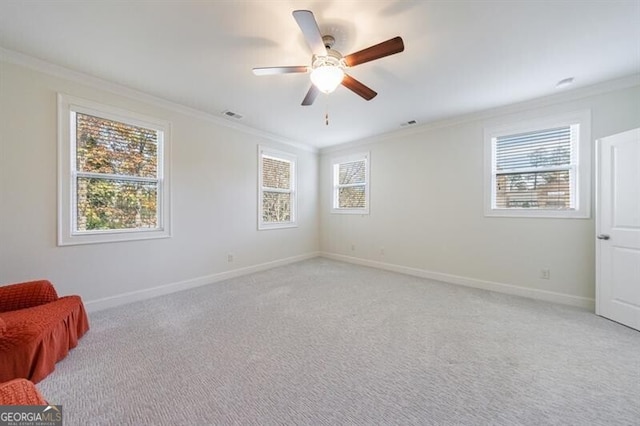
x: 111, y: 237
x: 268, y: 226
x: 350, y: 211
x: 538, y: 214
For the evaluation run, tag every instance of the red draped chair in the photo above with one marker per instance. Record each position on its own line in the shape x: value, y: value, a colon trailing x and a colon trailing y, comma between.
x: 20, y: 392
x: 37, y: 329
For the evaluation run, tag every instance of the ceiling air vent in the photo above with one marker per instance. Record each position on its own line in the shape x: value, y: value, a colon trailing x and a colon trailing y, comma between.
x: 409, y: 123
x: 231, y: 114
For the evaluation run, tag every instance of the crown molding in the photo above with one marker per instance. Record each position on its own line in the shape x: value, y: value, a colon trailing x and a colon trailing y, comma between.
x: 39, y: 65
x: 545, y: 101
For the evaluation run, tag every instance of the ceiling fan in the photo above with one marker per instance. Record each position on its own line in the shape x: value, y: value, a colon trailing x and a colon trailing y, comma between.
x: 328, y: 65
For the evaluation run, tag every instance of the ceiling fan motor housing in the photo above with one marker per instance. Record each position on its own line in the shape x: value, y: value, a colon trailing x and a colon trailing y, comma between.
x: 328, y: 41
x: 332, y: 59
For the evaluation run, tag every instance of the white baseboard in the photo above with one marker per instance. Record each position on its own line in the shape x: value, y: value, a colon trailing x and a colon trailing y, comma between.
x: 532, y: 293
x: 148, y: 293
x: 134, y: 296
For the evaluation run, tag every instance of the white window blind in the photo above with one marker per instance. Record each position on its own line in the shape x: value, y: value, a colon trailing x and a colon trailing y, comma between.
x: 536, y: 170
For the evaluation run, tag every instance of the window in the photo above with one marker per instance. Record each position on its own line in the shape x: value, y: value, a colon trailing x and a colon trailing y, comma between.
x: 540, y: 168
x: 277, y: 189
x: 351, y: 184
x: 113, y: 174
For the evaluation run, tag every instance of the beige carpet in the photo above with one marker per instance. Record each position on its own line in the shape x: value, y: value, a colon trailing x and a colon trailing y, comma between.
x: 323, y: 342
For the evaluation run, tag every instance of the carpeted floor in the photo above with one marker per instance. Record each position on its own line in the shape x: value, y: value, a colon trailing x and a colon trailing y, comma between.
x: 323, y: 342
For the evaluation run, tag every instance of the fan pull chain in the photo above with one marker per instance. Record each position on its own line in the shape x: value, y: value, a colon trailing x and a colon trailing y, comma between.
x: 326, y: 113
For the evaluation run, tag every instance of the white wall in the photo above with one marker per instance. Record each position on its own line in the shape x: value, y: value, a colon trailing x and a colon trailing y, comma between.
x: 214, y: 191
x: 427, y: 209
x: 426, y: 204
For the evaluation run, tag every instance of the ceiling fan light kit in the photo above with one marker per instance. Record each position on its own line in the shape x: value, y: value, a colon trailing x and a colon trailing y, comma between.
x: 327, y: 73
x: 328, y: 66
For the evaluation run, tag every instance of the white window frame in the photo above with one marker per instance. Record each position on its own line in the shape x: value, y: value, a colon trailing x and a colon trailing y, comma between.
x: 68, y: 106
x: 581, y: 165
x: 335, y: 187
x: 293, y: 161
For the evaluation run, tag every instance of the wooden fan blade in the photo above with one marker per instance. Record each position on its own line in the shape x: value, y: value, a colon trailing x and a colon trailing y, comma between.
x: 307, y: 23
x: 279, y: 70
x: 386, y: 48
x: 312, y: 94
x: 358, y: 88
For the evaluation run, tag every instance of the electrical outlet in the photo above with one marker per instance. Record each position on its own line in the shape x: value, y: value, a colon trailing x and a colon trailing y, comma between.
x: 230, y: 257
x: 381, y: 251
x: 353, y: 247
x: 545, y: 274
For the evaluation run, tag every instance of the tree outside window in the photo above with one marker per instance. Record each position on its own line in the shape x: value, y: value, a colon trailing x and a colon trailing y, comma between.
x: 351, y: 184
x: 116, y: 180
x: 277, y: 192
x: 113, y: 174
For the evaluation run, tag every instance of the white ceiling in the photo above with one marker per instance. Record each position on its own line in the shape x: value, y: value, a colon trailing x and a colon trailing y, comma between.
x: 460, y: 56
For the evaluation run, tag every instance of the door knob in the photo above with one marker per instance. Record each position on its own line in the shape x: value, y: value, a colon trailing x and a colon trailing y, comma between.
x: 603, y: 237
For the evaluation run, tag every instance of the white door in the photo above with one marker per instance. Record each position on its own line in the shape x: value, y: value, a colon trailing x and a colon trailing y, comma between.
x: 618, y: 228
